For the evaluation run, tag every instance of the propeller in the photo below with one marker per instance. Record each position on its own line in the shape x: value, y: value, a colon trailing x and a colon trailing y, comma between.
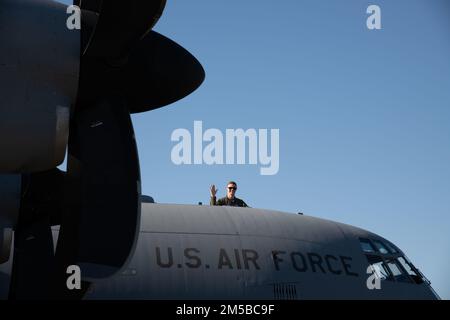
x: 149, y: 70
x: 124, y: 67
x: 120, y: 25
x: 160, y: 72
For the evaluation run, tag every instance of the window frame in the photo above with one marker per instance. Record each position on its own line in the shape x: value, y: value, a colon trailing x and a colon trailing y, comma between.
x: 420, y: 277
x: 386, y: 267
x: 402, y: 270
x: 391, y: 257
x: 374, y: 248
x: 388, y: 250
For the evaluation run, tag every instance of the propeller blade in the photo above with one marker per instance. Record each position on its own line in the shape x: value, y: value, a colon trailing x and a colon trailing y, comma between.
x: 91, y: 5
x: 160, y: 72
x: 121, y: 24
x: 100, y: 226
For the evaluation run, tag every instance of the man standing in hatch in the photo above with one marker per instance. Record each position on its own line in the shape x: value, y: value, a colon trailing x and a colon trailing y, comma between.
x: 230, y: 199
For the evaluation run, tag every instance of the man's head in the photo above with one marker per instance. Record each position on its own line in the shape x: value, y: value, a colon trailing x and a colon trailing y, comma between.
x: 231, y: 189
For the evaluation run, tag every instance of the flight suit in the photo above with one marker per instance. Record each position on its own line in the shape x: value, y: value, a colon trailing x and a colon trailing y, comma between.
x: 236, y: 202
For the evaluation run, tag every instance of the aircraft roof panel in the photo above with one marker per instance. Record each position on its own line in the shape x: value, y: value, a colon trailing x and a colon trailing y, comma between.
x: 237, y: 221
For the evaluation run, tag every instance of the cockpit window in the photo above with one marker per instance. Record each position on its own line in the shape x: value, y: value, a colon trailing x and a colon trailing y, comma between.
x: 380, y: 268
x: 391, y: 247
x: 381, y: 247
x: 397, y: 271
x: 410, y: 270
x: 366, y: 245
x: 389, y: 263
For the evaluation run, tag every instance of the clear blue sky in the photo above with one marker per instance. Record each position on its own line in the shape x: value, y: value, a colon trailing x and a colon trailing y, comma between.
x: 364, y: 116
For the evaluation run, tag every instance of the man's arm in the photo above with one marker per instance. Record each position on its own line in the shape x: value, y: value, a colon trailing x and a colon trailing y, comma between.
x: 217, y: 202
x: 213, y: 192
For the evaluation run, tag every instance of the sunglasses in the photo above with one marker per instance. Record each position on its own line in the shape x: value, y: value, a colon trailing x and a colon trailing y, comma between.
x: 232, y: 188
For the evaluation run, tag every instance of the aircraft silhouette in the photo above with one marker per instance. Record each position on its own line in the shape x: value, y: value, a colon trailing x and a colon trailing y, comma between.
x: 75, y: 89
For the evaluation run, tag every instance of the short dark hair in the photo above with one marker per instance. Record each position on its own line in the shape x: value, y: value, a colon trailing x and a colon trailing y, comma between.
x: 232, y: 182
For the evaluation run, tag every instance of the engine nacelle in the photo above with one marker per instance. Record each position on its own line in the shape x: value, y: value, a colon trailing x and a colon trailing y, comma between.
x: 39, y: 68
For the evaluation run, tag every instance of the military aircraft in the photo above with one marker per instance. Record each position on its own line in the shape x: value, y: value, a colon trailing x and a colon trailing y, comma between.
x: 73, y: 89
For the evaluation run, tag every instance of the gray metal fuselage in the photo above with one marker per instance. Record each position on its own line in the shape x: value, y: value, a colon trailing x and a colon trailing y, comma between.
x: 203, y: 252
